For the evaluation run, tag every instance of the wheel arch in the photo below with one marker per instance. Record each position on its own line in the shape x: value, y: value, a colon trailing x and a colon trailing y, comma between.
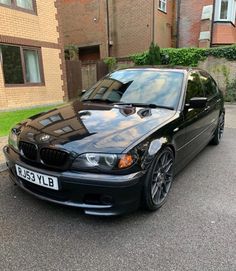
x: 172, y: 148
x: 154, y: 148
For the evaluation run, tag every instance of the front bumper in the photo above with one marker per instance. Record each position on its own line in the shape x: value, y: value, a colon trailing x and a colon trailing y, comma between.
x: 96, y: 194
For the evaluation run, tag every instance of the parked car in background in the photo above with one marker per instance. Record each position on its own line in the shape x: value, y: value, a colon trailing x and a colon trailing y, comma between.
x: 120, y: 145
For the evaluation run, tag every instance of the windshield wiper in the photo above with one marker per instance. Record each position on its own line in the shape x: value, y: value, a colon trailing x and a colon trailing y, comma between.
x: 146, y: 105
x: 128, y: 104
x: 97, y: 101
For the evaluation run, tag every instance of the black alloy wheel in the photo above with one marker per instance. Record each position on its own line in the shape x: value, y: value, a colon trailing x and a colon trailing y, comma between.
x: 159, y: 179
x: 219, y: 130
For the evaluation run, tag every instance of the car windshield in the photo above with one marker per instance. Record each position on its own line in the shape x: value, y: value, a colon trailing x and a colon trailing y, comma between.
x: 138, y: 86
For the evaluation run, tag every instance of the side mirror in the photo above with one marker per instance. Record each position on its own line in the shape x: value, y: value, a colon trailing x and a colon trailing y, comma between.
x: 82, y: 92
x: 197, y: 102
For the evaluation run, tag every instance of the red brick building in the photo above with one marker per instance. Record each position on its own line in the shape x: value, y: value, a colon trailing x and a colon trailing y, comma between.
x: 102, y: 28
x: 205, y: 23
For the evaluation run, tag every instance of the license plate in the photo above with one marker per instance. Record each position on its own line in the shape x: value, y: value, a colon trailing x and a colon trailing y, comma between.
x: 37, y: 178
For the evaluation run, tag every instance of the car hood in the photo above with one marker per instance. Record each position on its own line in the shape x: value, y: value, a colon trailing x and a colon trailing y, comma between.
x: 88, y: 127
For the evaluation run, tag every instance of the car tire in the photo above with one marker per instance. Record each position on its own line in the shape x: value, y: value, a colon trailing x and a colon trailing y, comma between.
x: 219, y: 130
x: 158, y: 180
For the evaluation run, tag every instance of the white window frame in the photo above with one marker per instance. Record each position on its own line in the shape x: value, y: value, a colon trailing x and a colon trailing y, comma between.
x: 162, y: 5
x: 230, y: 13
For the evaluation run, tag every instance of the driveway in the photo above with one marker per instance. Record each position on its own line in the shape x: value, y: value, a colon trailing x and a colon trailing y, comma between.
x: 195, y: 229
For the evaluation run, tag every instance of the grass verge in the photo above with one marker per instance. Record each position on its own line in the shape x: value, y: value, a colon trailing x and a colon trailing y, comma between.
x: 9, y: 119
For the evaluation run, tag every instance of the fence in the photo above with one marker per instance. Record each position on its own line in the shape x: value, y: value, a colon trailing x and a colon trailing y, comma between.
x: 82, y: 75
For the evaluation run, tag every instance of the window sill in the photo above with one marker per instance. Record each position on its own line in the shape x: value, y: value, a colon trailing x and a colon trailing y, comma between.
x: 24, y: 85
x: 224, y: 22
x: 163, y: 11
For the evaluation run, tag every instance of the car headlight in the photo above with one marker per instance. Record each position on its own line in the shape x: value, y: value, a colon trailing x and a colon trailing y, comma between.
x: 13, y: 140
x: 104, y: 162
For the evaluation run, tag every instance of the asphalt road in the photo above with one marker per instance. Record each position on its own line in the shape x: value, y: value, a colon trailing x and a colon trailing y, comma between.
x: 195, y: 230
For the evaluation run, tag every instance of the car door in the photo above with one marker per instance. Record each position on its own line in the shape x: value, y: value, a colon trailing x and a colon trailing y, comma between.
x: 213, y: 101
x: 195, y: 120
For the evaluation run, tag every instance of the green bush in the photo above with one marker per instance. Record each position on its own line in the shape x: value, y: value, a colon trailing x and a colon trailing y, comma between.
x: 150, y: 57
x: 230, y: 94
x: 185, y: 56
x: 111, y: 62
x: 228, y: 52
x: 71, y: 52
x: 154, y: 55
x: 140, y: 59
x: 182, y: 56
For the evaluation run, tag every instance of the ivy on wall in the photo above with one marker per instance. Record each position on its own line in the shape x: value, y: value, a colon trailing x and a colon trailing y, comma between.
x: 186, y: 56
x: 110, y: 62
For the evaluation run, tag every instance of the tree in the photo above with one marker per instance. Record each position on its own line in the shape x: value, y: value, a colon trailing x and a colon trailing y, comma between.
x: 154, y: 55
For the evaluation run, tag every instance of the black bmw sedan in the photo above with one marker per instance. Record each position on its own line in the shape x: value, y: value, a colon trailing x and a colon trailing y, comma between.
x: 121, y: 144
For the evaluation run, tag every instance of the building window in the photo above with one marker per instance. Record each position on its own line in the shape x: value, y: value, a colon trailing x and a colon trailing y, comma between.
x: 24, y: 5
x: 163, y: 5
x: 64, y: 130
x: 32, y: 70
x: 6, y: 2
x: 225, y: 10
x: 51, y: 120
x: 21, y: 65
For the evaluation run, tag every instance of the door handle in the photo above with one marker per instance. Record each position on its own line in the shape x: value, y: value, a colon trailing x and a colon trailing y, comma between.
x: 207, y: 108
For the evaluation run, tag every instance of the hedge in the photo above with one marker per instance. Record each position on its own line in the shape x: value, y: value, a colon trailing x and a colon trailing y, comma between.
x: 186, y: 56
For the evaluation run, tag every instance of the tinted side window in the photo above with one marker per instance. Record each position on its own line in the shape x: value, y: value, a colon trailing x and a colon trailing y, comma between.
x: 194, y: 88
x: 210, y: 87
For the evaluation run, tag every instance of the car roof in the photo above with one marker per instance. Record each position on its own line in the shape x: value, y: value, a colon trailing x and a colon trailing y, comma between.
x: 164, y: 68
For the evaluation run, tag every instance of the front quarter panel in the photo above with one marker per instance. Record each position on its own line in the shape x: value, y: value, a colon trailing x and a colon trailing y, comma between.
x: 152, y: 149
x: 170, y: 135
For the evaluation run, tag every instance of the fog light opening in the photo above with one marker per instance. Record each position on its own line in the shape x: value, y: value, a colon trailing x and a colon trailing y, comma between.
x: 106, y: 200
